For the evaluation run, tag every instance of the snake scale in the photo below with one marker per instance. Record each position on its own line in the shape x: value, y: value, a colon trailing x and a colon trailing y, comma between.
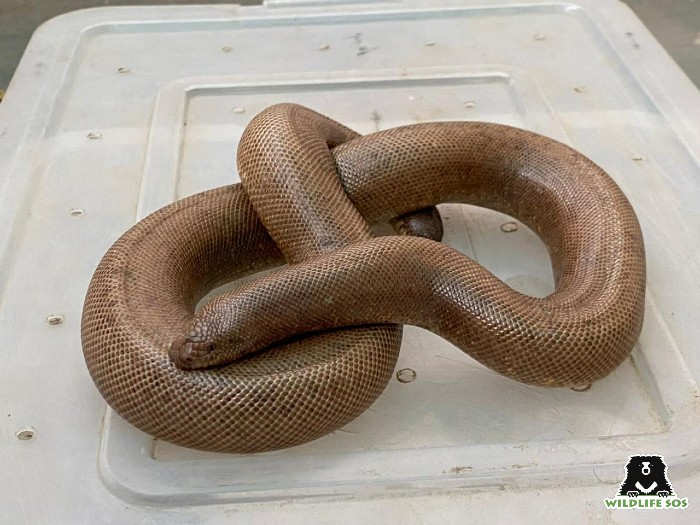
x: 330, y: 321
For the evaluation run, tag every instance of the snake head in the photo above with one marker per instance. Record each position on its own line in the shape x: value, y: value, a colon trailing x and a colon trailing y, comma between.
x: 188, y: 354
x: 191, y: 352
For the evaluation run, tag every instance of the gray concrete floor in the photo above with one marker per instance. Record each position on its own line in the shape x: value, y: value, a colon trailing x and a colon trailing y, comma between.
x: 675, y: 23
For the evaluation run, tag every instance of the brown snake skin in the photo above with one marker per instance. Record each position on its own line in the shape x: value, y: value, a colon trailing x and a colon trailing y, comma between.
x: 317, y: 186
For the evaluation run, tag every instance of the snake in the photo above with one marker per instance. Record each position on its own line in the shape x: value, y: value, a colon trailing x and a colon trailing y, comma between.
x: 310, y: 339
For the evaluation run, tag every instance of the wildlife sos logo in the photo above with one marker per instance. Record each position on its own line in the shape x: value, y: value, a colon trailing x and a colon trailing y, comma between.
x: 646, y: 486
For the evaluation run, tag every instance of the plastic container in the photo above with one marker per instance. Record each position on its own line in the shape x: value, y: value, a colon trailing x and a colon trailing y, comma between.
x: 115, y: 112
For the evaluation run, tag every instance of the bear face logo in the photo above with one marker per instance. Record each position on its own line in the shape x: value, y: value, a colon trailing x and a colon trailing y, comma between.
x: 645, y: 476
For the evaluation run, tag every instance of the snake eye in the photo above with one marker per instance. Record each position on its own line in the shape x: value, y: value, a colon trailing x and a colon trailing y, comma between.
x: 211, y: 347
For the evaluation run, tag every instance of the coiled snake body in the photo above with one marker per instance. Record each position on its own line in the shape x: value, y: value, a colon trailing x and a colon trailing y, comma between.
x: 315, y: 186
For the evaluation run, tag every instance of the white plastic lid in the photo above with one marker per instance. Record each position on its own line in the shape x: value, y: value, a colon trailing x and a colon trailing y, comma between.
x: 115, y: 112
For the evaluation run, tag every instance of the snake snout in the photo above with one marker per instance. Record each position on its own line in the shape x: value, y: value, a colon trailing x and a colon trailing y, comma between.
x: 188, y: 355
